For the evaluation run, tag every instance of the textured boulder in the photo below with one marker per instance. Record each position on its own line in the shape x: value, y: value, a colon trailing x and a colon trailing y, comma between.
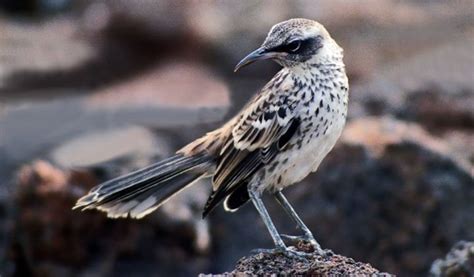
x: 380, y: 192
x: 48, y: 238
x: 458, y: 262
x: 329, y: 264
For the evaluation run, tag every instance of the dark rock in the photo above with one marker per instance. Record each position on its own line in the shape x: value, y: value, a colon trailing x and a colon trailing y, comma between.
x: 33, y: 7
x: 330, y: 264
x: 48, y: 238
x: 396, y: 203
x: 458, y: 262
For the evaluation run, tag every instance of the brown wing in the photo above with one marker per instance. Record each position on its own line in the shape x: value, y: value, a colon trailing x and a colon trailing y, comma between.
x: 263, y: 129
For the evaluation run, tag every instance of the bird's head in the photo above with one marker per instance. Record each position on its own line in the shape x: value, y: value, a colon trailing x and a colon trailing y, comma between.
x: 294, y: 43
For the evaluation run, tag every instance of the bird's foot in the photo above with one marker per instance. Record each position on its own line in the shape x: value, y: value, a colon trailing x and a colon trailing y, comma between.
x: 287, y: 251
x: 306, y: 239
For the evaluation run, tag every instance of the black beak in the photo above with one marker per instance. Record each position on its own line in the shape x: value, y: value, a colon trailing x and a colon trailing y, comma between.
x: 257, y: 55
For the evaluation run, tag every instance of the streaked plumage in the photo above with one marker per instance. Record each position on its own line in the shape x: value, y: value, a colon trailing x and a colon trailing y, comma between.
x: 277, y: 139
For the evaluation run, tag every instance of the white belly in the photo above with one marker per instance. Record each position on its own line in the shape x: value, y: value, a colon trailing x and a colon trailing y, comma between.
x: 301, y: 162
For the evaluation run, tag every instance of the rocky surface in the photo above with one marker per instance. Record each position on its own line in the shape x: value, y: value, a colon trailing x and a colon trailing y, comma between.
x: 329, y: 264
x: 458, y: 262
x: 48, y: 238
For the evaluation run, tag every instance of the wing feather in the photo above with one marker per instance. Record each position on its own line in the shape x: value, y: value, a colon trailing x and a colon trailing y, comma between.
x: 265, y: 128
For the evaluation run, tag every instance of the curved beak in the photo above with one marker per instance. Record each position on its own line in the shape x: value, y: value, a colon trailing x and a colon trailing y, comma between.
x: 257, y: 55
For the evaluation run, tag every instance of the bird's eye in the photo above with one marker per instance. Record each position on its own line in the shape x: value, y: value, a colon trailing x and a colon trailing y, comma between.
x: 294, y: 45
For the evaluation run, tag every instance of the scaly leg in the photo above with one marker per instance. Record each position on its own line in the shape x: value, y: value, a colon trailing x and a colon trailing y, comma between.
x: 280, y: 245
x: 308, y: 236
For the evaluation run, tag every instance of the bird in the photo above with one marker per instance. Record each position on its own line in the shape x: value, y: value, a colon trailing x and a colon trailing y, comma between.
x: 279, y: 137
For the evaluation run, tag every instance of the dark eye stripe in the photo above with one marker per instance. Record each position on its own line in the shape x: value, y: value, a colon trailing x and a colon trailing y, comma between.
x: 287, y: 47
x: 304, y: 44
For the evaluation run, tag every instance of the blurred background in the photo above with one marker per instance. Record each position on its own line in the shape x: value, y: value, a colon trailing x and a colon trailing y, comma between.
x: 91, y: 89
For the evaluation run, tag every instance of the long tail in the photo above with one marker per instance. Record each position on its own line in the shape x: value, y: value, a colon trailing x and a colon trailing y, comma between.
x: 141, y: 192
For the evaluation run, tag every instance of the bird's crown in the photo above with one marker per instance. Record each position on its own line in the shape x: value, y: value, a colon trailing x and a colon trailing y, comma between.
x: 294, y: 29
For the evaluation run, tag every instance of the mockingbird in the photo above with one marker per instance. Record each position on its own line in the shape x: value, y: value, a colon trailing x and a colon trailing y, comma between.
x: 276, y: 140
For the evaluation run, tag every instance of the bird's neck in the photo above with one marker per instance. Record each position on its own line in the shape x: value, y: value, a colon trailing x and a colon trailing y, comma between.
x: 325, y: 78
x: 320, y: 69
x: 329, y: 61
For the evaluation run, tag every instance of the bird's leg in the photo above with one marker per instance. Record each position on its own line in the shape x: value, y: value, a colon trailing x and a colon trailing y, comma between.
x: 308, y: 236
x: 258, y: 203
x: 256, y: 198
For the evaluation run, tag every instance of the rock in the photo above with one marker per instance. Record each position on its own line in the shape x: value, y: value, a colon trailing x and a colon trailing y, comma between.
x: 330, y: 264
x: 458, y: 262
x: 184, y: 86
x: 162, y: 19
x: 41, y: 47
x: 98, y: 147
x: 460, y: 142
x: 385, y: 200
x: 186, y: 208
x: 389, y: 194
x: 434, y: 88
x: 34, y: 8
x: 105, y: 37
x: 168, y: 96
x: 49, y: 238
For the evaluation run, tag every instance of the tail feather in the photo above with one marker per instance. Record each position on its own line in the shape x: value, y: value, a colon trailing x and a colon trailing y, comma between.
x: 129, y: 180
x: 145, y: 203
x: 141, y: 192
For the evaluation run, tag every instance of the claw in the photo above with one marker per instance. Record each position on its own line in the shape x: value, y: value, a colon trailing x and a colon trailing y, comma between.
x: 307, y: 239
x: 297, y: 254
x: 317, y: 248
